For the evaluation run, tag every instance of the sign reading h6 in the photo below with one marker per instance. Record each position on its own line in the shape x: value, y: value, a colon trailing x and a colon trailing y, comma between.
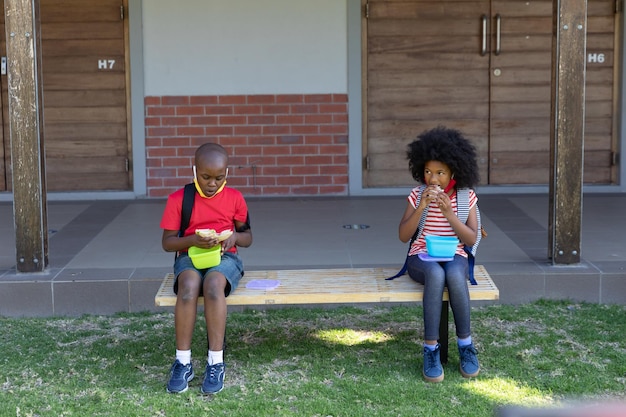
x: 595, y: 58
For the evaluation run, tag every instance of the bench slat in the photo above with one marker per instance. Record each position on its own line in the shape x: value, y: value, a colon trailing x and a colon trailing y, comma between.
x: 329, y: 286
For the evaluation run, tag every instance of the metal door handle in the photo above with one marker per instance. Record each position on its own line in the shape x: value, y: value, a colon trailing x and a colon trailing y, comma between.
x: 483, y: 51
x: 498, y: 33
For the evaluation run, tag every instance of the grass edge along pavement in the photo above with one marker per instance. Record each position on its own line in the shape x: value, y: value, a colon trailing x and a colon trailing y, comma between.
x: 344, y: 361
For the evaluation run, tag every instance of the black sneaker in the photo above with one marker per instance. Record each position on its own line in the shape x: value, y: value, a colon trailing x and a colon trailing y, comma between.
x: 213, y: 378
x: 180, y: 375
x: 433, y: 371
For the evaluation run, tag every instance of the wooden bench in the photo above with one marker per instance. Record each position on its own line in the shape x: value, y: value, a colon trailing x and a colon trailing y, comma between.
x: 338, y: 286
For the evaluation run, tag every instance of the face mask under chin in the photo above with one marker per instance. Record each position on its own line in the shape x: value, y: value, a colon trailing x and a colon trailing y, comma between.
x: 199, y: 189
x: 219, y: 190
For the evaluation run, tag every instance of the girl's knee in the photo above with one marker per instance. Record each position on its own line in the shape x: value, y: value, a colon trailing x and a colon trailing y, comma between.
x: 457, y: 280
x: 436, y: 277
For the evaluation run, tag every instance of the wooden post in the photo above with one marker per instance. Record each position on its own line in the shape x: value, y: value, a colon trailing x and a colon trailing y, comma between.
x: 567, y: 131
x: 26, y: 126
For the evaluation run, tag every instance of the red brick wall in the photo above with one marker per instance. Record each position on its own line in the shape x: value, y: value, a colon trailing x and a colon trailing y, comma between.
x: 279, y: 145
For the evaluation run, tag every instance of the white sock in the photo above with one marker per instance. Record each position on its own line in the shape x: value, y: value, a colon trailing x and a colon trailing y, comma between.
x: 465, y: 342
x: 215, y: 357
x: 183, y: 356
x: 430, y: 347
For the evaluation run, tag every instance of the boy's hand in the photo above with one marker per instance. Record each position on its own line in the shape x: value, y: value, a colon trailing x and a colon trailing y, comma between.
x: 204, y: 242
x: 229, y: 242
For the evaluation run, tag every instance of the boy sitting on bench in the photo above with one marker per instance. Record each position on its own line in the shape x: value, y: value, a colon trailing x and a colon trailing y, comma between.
x: 220, y: 209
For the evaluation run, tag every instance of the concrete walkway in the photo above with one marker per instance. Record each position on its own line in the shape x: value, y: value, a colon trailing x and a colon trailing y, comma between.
x: 106, y: 257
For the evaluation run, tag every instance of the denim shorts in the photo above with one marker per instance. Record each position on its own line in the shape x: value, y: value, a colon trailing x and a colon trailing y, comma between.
x: 230, y: 266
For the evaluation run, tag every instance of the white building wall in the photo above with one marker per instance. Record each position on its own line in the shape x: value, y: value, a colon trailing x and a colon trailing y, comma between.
x: 227, y: 47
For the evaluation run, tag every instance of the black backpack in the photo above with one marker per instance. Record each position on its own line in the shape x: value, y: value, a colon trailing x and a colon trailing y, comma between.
x: 188, y: 199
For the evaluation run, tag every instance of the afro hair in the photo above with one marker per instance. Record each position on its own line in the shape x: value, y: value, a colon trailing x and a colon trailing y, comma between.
x: 448, y: 146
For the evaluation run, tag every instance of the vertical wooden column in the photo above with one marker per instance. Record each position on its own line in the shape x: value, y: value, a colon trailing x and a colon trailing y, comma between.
x: 567, y: 131
x: 26, y: 132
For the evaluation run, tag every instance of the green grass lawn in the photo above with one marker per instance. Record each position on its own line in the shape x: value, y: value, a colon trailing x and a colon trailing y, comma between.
x: 347, y: 361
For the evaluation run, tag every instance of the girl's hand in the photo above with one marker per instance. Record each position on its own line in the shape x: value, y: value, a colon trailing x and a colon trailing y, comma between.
x: 443, y: 201
x: 430, y: 194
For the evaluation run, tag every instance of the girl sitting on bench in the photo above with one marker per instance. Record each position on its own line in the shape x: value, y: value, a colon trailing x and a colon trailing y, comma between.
x: 442, y: 161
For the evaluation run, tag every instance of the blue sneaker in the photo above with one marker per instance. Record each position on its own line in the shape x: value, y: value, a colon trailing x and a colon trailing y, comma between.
x: 180, y: 375
x: 213, y: 378
x: 469, y: 362
x: 433, y: 371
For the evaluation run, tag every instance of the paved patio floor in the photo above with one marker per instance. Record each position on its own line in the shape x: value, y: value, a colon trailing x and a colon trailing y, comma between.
x: 106, y: 257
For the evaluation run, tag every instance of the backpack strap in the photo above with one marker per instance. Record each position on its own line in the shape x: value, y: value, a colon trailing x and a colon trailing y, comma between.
x: 416, y: 235
x: 188, y: 199
x: 463, y: 213
x: 462, y: 200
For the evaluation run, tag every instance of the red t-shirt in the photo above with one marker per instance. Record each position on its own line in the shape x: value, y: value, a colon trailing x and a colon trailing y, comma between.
x: 436, y: 222
x: 218, y: 213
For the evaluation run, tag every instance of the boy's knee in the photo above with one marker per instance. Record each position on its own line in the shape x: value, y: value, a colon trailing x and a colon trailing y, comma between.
x: 188, y: 287
x: 214, y: 285
x: 187, y: 293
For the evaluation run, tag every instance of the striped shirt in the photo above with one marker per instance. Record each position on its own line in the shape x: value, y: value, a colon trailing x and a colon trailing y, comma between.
x: 436, y: 222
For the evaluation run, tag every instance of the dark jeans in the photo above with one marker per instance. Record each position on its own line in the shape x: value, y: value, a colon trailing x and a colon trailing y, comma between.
x: 435, y: 276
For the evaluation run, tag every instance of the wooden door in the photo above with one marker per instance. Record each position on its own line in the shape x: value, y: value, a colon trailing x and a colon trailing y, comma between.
x: 521, y: 68
x: 425, y: 66
x: 86, y: 133
x: 601, y: 92
x: 520, y: 92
